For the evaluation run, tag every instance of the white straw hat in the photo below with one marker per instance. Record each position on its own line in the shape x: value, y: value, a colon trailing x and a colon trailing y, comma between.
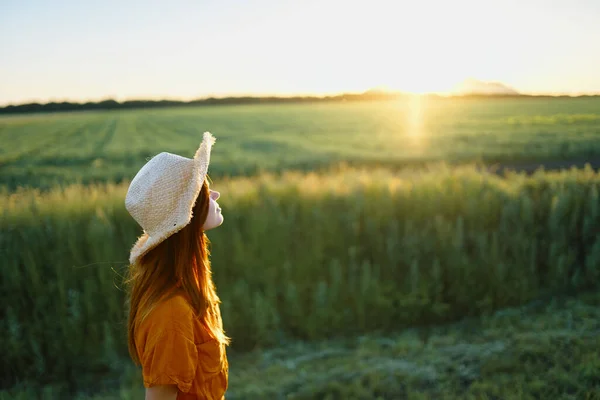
x: 162, y: 194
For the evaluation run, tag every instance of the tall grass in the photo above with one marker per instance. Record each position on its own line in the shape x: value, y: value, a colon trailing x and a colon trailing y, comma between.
x: 299, y: 256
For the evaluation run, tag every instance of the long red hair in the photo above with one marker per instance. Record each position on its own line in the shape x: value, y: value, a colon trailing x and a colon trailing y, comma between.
x: 179, y: 263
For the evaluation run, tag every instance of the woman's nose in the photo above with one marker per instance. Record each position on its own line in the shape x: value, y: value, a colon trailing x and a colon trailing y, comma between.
x: 215, y: 195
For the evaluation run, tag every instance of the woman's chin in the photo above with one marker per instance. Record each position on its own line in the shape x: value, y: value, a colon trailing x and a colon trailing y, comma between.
x: 214, y: 223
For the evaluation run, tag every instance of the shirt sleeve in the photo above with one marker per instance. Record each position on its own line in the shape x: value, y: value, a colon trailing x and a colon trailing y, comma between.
x: 170, y: 356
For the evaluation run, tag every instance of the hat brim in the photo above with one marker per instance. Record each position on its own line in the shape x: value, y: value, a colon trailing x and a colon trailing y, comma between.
x: 201, y: 161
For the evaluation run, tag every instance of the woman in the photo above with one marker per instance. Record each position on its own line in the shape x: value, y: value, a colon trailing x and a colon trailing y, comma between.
x: 175, y: 331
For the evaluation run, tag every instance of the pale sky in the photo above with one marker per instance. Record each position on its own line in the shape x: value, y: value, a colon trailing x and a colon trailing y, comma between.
x: 83, y: 50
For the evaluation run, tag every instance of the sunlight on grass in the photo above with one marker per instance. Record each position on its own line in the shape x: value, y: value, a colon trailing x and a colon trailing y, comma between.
x: 415, y: 131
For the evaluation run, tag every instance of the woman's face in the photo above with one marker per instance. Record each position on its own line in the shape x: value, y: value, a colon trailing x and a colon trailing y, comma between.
x: 214, y: 217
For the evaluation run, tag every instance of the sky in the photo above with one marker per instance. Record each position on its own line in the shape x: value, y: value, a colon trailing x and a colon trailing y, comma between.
x: 66, y: 50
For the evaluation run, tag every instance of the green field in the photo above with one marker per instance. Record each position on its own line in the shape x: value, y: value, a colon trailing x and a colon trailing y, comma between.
x: 44, y: 149
x: 308, y: 257
x: 338, y: 271
x: 543, y: 350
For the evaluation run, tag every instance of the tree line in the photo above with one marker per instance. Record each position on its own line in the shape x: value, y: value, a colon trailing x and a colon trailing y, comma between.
x: 111, y: 104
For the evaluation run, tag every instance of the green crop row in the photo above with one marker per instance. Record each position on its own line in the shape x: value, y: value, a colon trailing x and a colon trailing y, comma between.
x: 110, y: 146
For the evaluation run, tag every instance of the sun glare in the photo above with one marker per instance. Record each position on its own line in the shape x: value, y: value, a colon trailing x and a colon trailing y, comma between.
x: 415, y: 133
x: 424, y: 85
x: 414, y: 115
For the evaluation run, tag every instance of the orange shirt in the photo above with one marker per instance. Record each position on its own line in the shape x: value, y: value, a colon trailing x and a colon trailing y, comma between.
x: 175, y: 349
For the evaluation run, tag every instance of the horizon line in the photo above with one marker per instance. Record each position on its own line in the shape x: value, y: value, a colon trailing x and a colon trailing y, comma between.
x: 259, y: 95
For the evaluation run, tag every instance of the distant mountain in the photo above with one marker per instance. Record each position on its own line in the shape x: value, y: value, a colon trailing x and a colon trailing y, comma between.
x: 476, y: 87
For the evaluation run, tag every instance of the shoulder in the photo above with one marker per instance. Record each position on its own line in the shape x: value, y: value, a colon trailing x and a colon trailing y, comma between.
x: 175, y: 307
x: 174, y: 312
